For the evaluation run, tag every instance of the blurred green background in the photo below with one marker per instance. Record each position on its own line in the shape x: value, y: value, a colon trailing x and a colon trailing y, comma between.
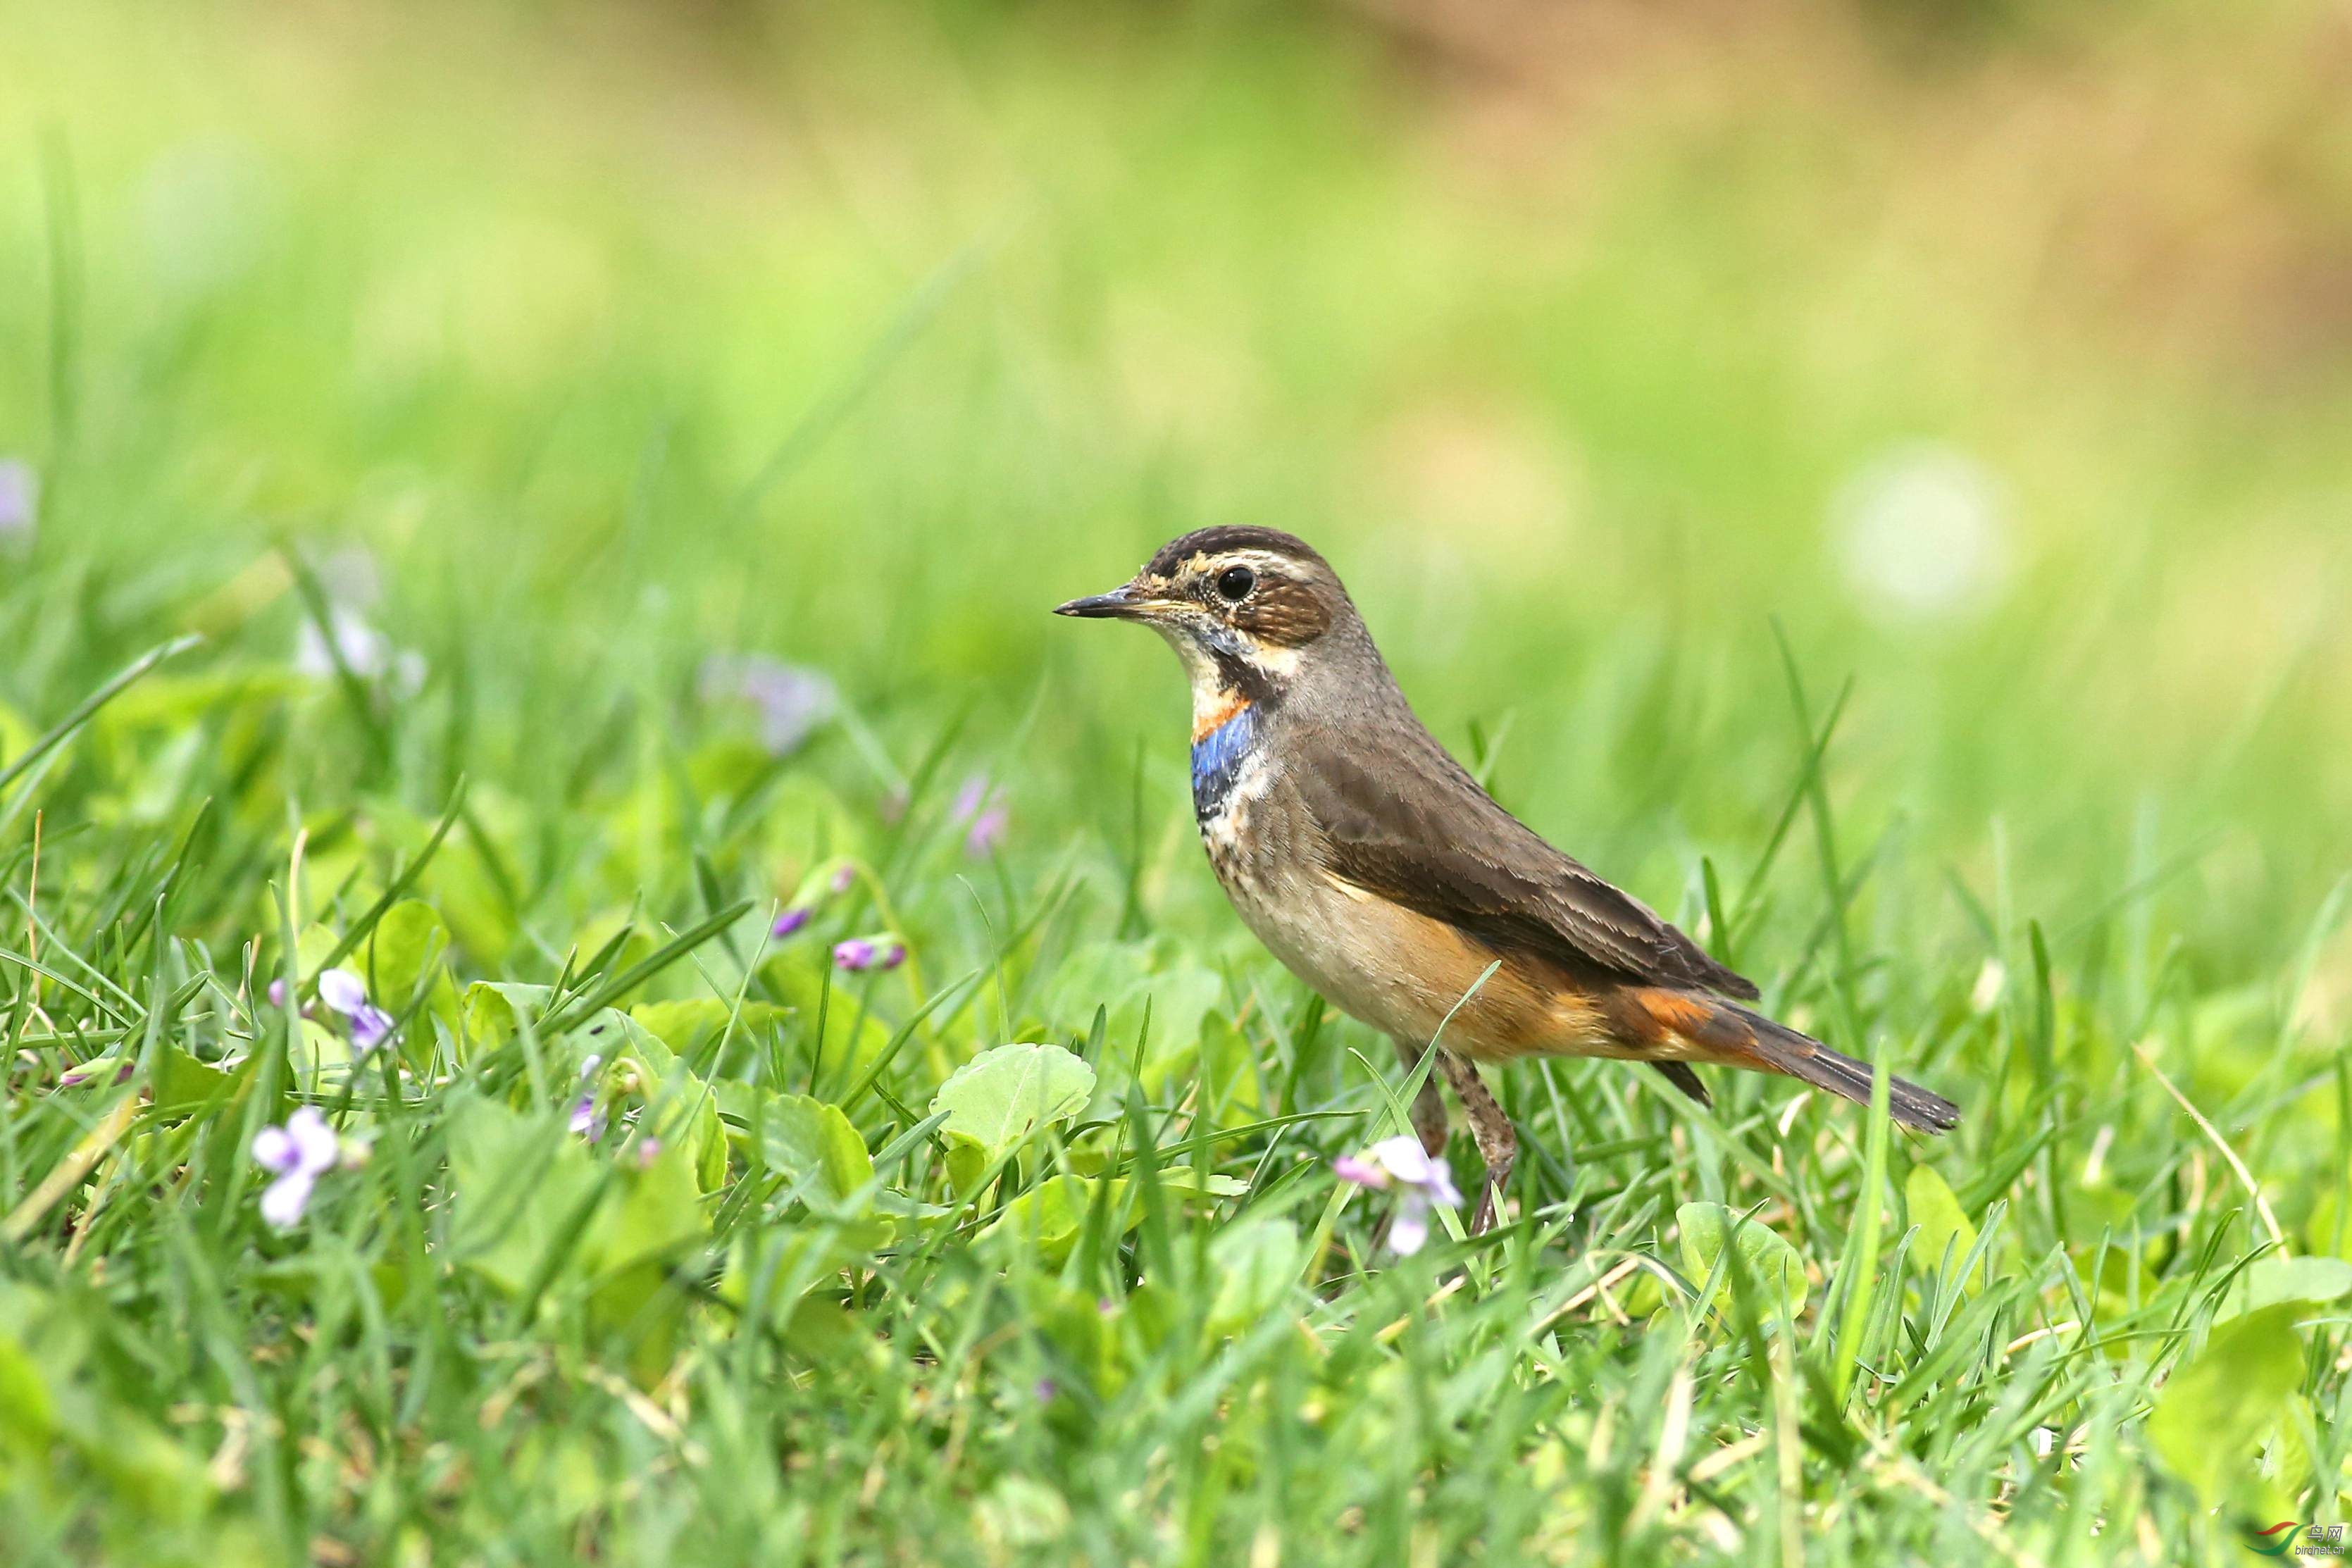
x: 1983, y: 369
x: 2000, y: 355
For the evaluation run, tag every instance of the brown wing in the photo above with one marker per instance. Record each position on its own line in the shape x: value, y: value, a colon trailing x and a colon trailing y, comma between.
x: 1421, y: 833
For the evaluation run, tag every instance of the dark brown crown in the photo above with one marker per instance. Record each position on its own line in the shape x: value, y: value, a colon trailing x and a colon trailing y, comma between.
x: 1216, y: 540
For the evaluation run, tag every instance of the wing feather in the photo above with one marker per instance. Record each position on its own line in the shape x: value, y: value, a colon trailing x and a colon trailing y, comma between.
x: 1421, y: 833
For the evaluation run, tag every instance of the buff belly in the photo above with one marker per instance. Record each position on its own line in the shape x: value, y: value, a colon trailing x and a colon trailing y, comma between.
x: 1404, y: 973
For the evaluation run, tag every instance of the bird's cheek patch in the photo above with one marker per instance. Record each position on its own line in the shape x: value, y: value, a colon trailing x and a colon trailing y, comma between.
x: 1273, y: 660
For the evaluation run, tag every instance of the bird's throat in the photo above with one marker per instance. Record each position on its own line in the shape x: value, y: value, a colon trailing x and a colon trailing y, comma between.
x: 1223, y: 741
x: 1214, y: 708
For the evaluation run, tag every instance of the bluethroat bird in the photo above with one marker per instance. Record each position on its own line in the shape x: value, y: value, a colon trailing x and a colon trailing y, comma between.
x: 1376, y: 867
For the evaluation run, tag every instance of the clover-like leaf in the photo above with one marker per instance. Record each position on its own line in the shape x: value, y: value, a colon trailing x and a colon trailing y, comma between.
x: 688, y: 1026
x: 1257, y: 1263
x: 1050, y: 1214
x: 2210, y: 1419
x: 495, y: 1009
x: 519, y: 1185
x: 655, y: 1216
x: 404, y: 950
x: 1772, y: 1267
x: 1001, y: 1096
x: 1942, y: 1224
x: 808, y: 1140
x: 2269, y: 1281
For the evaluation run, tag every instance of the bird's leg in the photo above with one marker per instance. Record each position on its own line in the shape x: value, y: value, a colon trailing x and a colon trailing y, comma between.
x: 1498, y: 1145
x: 1428, y: 1106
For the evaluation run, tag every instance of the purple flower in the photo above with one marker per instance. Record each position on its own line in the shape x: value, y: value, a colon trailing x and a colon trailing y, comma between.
x: 1418, y: 1180
x: 587, y: 1121
x: 823, y: 884
x: 299, y: 1153
x: 20, y: 502
x: 278, y: 992
x: 982, y: 807
x: 970, y: 797
x: 343, y: 993
x: 648, y: 1149
x: 987, y: 831
x: 790, y: 700
x: 369, y: 1026
x: 92, y: 1071
x: 860, y: 953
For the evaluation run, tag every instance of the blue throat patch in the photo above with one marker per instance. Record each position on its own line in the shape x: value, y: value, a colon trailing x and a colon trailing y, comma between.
x: 1217, y: 759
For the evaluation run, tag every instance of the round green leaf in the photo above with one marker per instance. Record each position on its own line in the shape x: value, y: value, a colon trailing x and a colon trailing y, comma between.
x: 1771, y: 1266
x: 1001, y: 1096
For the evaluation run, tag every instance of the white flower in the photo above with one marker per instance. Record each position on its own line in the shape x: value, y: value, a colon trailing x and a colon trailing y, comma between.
x: 300, y: 1152
x: 343, y: 991
x: 1419, y: 1179
x: 363, y: 650
x: 20, y: 502
x: 1922, y: 532
x: 351, y: 577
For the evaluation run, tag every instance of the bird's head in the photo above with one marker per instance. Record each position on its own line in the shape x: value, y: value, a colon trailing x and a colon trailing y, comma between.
x: 1246, y: 609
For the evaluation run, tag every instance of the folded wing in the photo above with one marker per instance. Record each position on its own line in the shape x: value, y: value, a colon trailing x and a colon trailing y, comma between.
x: 1421, y: 833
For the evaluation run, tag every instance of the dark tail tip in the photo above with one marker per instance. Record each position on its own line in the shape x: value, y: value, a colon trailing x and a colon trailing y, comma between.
x: 1918, y: 1108
x: 1801, y: 1057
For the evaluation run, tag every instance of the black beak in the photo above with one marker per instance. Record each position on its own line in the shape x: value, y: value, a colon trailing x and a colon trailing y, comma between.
x: 1122, y: 604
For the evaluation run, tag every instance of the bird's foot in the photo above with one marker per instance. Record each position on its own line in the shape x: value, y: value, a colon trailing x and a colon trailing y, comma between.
x: 1490, y: 1200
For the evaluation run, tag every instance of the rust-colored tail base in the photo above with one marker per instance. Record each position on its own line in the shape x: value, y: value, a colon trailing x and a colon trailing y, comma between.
x: 1737, y: 1036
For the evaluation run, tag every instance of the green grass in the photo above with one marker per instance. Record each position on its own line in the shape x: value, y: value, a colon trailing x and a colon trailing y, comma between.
x: 615, y: 347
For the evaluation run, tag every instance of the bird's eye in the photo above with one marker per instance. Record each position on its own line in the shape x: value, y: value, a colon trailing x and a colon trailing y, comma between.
x: 1234, y: 583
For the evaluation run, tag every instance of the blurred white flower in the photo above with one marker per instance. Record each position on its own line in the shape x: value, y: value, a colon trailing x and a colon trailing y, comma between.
x: 298, y: 1153
x: 350, y: 576
x: 365, y: 651
x: 1991, y: 980
x: 1923, y: 533
x: 20, y: 503
x: 790, y: 700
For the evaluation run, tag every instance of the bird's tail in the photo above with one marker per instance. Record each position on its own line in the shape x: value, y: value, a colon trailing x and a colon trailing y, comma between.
x: 1737, y: 1037
x: 1783, y: 1050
